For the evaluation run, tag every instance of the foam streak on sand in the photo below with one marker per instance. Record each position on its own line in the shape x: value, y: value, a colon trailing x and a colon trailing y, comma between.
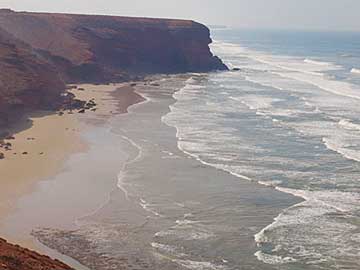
x: 122, y: 174
x: 45, y: 158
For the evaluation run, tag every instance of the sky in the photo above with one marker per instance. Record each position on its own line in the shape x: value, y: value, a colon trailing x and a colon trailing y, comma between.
x: 327, y: 15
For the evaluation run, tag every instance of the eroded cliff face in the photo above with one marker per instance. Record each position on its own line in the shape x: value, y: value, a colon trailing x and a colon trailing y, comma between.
x: 41, y: 51
x: 107, y: 48
x: 26, y: 80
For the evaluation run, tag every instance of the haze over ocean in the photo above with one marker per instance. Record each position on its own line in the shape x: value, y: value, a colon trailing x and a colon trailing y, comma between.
x: 327, y: 15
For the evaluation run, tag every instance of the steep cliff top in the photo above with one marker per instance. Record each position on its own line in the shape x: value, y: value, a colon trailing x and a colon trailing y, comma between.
x: 67, y: 35
x: 132, y: 22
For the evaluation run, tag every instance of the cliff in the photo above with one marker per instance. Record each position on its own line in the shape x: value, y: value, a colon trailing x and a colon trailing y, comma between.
x: 26, y: 80
x: 39, y: 52
x: 13, y: 257
x: 92, y: 48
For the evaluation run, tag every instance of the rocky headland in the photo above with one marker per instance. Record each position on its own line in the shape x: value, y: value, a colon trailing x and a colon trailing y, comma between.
x: 41, y: 52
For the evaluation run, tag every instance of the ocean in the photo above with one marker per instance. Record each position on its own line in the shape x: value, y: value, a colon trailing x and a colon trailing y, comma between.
x: 290, y: 120
x: 256, y: 169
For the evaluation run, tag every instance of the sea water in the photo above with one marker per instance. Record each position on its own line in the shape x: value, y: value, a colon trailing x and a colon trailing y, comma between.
x: 288, y: 119
x: 250, y: 169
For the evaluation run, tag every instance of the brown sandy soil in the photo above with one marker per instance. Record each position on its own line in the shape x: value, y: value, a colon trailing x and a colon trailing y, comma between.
x: 13, y: 257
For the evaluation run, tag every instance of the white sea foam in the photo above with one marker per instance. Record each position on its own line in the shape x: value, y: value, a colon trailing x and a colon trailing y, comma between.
x: 255, y: 102
x: 308, y: 71
x: 331, y: 200
x: 311, y: 216
x: 164, y: 233
x: 223, y: 167
x: 342, y: 136
x: 187, y: 229
x: 199, y: 235
x: 198, y: 265
x: 186, y: 222
x: 273, y: 183
x: 138, y: 147
x: 347, y: 124
x: 167, y: 249
x: 227, y: 168
x: 179, y: 258
x: 320, y: 63
x: 148, y: 207
x: 121, y: 184
x: 273, y: 259
x: 337, y: 144
x: 340, y: 88
x: 317, y: 203
x: 304, y: 79
x: 355, y: 71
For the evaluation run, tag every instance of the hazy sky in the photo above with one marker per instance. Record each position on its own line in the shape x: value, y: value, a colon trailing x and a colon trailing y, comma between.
x: 289, y: 14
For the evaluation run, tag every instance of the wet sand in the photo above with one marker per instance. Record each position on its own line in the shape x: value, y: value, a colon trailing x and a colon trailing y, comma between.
x: 133, y: 200
x: 36, y: 153
x: 40, y: 152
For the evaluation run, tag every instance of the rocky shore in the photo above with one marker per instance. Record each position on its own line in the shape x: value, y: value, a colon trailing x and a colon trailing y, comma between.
x: 14, y: 257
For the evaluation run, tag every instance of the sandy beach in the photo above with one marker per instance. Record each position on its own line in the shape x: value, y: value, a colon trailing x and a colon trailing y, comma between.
x: 40, y: 151
x: 36, y: 153
x: 125, y: 196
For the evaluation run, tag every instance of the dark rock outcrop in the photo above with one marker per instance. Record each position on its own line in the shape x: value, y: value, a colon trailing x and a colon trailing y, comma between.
x: 13, y: 257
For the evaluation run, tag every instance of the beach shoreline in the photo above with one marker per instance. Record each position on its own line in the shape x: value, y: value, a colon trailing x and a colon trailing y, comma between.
x: 119, y: 158
x: 152, y: 193
x: 39, y: 147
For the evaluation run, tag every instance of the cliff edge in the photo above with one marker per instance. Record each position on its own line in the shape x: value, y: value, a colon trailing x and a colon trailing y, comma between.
x: 13, y: 257
x: 94, y: 48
